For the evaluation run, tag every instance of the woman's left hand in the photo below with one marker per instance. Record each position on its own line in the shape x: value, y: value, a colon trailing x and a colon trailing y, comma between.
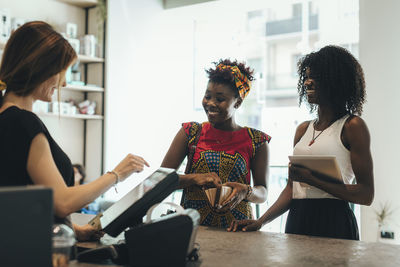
x: 244, y: 225
x: 239, y: 193
x: 87, y: 233
x: 300, y: 174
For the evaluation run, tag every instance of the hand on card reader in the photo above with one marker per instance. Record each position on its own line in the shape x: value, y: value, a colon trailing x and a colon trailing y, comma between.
x: 171, y: 237
x: 116, y: 253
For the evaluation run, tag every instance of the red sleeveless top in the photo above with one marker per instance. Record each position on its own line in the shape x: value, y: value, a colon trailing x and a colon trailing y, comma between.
x: 229, y: 154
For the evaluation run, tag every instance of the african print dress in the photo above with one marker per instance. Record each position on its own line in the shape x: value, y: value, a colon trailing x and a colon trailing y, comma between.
x: 228, y: 154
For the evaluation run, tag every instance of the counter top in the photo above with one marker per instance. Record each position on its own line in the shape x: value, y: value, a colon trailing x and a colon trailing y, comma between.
x: 221, y: 248
x: 275, y: 249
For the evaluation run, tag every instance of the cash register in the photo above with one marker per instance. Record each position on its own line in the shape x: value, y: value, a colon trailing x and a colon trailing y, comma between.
x: 167, y: 240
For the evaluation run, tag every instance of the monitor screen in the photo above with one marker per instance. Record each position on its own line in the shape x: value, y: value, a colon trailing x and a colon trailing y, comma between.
x: 26, y: 226
x: 129, y: 210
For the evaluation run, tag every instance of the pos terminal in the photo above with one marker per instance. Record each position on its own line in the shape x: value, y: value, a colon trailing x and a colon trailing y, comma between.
x: 165, y: 241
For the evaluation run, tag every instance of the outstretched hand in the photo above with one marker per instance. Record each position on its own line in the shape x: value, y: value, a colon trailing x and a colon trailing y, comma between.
x: 87, y: 233
x: 244, y: 225
x: 210, y: 179
x: 130, y: 164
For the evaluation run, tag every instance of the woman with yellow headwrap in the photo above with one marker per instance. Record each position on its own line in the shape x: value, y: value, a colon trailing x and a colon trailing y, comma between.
x: 221, y: 152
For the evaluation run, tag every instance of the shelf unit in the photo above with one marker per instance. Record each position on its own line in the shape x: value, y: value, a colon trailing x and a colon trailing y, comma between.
x: 92, y: 124
x: 88, y: 59
x: 81, y: 3
x: 68, y: 116
x: 83, y: 88
x: 80, y: 135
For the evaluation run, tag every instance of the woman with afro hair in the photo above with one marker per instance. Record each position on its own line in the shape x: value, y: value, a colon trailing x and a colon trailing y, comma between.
x: 220, y: 151
x: 332, y: 82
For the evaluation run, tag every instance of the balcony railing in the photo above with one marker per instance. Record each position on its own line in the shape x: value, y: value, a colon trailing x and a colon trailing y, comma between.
x: 291, y: 25
x: 282, y: 81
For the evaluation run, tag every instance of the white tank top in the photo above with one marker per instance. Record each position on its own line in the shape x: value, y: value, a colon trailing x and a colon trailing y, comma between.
x: 328, y: 143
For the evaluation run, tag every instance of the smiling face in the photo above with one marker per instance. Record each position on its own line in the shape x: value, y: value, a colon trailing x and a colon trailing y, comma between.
x: 311, y: 84
x: 45, y: 91
x: 220, y: 103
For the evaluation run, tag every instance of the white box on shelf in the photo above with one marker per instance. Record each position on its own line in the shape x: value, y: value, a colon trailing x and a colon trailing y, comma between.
x: 5, y: 24
x: 75, y: 43
x: 65, y: 108
x: 72, y: 30
x: 55, y: 108
x: 40, y: 107
x: 74, y: 110
x: 88, y: 46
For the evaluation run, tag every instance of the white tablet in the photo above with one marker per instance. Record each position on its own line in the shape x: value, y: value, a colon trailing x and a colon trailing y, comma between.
x: 320, y: 163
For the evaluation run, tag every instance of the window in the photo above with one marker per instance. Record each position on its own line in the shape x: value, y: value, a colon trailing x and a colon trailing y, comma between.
x: 271, y: 36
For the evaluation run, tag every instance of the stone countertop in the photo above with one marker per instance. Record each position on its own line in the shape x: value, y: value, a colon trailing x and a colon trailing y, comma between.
x: 221, y: 248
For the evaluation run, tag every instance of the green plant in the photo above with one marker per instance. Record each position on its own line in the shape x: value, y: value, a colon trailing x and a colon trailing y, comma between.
x: 101, y: 11
x: 384, y: 213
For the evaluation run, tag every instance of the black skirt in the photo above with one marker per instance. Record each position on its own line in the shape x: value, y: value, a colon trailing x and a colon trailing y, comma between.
x: 323, y: 217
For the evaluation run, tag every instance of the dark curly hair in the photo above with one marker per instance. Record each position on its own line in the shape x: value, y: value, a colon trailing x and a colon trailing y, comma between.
x: 339, y: 79
x: 225, y: 76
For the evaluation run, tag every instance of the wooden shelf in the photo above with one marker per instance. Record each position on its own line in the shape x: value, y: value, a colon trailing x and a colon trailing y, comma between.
x: 88, y: 59
x: 76, y: 116
x: 81, y: 58
x: 81, y: 3
x: 82, y: 88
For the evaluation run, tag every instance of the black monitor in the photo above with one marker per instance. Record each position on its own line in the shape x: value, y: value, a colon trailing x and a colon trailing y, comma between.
x: 129, y: 210
x: 25, y: 226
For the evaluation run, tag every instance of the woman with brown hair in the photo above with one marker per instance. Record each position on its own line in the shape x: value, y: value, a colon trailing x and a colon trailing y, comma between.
x: 34, y: 63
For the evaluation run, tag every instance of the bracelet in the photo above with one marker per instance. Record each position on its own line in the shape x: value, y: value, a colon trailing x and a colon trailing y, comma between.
x: 116, y: 180
x: 249, y: 192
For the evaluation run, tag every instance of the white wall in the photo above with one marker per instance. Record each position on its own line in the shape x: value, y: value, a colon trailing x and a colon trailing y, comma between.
x: 146, y: 55
x: 380, y: 58
x: 54, y: 12
x: 180, y: 3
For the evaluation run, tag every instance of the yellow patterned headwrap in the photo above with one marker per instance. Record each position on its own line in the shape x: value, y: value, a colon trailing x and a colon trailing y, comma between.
x: 3, y: 85
x: 241, y: 81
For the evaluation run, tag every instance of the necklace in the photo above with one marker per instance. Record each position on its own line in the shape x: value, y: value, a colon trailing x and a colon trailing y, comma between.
x: 313, y: 135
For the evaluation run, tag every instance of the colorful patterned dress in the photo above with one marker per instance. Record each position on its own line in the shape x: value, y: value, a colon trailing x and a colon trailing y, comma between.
x: 228, y: 154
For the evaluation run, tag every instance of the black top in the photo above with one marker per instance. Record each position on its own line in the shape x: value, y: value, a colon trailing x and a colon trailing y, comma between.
x: 17, y: 129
